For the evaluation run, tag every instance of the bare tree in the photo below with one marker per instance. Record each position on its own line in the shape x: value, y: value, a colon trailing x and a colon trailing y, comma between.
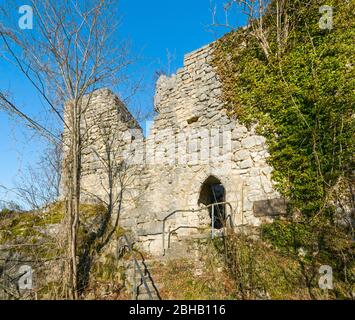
x: 109, y: 141
x: 255, y: 11
x: 71, y: 53
x: 38, y: 186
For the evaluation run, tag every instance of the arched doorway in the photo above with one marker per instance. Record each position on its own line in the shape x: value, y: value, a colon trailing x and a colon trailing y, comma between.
x: 212, y: 192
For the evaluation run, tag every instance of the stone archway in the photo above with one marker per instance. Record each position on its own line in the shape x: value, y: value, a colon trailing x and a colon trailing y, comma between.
x: 212, y: 192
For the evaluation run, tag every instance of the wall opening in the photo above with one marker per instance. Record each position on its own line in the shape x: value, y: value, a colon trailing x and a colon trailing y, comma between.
x: 212, y: 192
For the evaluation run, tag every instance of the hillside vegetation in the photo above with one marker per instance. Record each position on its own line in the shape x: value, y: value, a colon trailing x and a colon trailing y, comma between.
x: 297, y: 87
x: 301, y: 97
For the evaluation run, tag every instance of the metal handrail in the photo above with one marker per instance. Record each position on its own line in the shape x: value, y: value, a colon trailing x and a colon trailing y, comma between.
x: 137, y: 267
x: 198, y: 210
x: 178, y: 228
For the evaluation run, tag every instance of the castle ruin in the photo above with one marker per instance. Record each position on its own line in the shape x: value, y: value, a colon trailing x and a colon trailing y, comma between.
x: 197, y: 169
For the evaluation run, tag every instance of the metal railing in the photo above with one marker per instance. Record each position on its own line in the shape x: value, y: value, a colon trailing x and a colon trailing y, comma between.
x: 176, y: 229
x: 137, y: 267
x: 227, y: 217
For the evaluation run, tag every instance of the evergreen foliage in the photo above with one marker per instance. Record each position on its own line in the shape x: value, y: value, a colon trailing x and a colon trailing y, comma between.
x: 302, y: 99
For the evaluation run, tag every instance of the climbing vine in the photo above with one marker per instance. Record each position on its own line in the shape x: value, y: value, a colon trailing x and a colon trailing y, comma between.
x: 300, y: 95
x: 302, y: 99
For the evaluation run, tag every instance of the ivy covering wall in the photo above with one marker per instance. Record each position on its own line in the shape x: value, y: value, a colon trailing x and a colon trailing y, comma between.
x: 301, y: 98
x: 295, y: 81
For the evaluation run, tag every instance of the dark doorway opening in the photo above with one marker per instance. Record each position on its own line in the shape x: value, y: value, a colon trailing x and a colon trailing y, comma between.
x: 213, y: 192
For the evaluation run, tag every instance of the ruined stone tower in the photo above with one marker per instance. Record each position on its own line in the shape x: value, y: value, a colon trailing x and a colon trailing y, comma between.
x: 194, y: 157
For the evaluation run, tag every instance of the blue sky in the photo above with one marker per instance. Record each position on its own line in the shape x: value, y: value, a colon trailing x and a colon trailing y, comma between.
x: 154, y: 27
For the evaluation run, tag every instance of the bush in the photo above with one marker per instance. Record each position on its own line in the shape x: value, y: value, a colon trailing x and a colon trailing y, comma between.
x: 6, y: 211
x: 314, y: 243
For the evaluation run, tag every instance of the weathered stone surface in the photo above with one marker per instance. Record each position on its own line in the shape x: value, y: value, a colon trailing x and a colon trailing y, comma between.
x: 249, y: 142
x: 151, y: 228
x: 242, y: 155
x: 271, y: 207
x: 246, y: 164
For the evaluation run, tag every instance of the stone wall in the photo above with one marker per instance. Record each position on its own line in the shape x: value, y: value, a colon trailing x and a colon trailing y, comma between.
x: 110, y: 135
x: 191, y: 139
x: 191, y: 115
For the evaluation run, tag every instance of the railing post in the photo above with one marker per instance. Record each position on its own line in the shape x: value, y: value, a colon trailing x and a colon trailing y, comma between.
x: 135, y: 293
x: 163, y: 238
x: 213, y: 221
x: 169, y: 239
